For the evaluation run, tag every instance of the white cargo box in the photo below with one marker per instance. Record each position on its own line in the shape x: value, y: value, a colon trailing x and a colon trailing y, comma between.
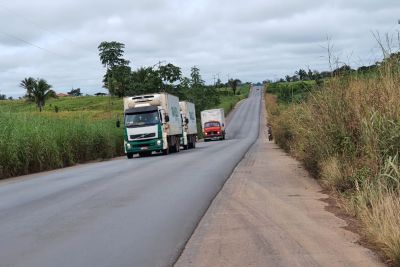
x: 188, y: 112
x: 168, y: 105
x: 213, y: 115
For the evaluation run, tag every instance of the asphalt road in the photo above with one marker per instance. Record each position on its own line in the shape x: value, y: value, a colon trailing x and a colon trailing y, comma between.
x: 137, y: 212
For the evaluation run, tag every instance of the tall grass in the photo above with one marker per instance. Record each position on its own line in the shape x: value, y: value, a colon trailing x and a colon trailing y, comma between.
x: 33, y: 143
x: 348, y: 135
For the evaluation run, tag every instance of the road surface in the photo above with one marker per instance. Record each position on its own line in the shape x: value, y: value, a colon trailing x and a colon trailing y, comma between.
x: 137, y: 212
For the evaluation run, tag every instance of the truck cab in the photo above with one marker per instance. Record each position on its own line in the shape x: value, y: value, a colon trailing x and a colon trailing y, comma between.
x: 213, y: 130
x: 143, y: 132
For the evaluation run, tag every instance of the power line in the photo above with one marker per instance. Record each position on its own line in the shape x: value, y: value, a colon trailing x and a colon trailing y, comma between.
x: 31, y: 22
x: 29, y: 43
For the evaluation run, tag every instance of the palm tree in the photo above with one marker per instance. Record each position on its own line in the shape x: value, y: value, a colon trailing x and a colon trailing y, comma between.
x: 38, y: 90
x: 28, y: 84
x: 233, y: 83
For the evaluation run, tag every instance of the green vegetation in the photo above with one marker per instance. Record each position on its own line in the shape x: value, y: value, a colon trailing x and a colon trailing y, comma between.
x: 348, y: 136
x: 229, y: 100
x: 32, y: 143
x: 288, y: 92
x: 68, y: 130
x: 72, y: 130
x: 83, y: 103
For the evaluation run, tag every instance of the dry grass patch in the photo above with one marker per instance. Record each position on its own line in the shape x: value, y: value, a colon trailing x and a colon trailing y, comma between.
x: 348, y: 135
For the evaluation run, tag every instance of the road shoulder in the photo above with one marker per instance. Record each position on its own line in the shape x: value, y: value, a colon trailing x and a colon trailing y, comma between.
x: 270, y: 213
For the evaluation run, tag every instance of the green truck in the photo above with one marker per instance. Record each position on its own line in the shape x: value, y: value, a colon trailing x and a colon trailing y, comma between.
x: 153, y: 123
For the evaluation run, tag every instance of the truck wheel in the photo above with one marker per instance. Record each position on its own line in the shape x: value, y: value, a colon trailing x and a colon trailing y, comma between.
x: 129, y: 155
x: 165, y: 151
x: 177, y: 145
x: 192, y: 142
x: 186, y: 147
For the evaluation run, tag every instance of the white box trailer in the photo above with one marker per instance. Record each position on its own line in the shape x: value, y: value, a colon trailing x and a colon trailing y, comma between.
x: 152, y: 123
x: 213, y: 124
x: 189, y: 124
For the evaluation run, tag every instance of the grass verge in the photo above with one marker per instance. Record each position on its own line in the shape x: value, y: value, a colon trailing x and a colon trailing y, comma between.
x: 347, y: 134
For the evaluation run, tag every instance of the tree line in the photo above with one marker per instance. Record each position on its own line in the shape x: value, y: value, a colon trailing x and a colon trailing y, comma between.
x: 120, y: 80
x: 307, y: 75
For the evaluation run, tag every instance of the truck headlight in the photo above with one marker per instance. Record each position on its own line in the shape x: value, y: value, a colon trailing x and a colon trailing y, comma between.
x: 128, y: 145
x: 159, y: 142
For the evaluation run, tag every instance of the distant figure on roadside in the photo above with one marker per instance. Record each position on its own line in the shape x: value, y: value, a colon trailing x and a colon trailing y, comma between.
x: 270, y: 137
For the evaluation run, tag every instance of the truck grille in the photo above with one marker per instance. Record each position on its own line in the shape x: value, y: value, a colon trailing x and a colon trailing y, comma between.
x: 142, y: 136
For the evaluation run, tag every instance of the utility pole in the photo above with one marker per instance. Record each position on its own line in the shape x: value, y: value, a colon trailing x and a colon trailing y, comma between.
x: 158, y: 63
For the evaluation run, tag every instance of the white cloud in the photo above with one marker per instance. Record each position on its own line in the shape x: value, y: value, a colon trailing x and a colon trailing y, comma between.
x: 252, y: 40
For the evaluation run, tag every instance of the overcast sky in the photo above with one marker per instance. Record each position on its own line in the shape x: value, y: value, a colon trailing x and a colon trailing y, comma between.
x: 251, y: 40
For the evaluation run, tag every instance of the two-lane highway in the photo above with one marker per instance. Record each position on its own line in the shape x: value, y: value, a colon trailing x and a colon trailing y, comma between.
x: 137, y: 212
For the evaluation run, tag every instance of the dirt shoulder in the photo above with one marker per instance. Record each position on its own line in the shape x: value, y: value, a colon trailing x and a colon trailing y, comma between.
x: 271, y: 213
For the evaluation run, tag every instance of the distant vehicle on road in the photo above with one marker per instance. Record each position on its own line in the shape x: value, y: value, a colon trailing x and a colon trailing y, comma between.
x: 213, y: 124
x: 152, y: 123
x: 189, y: 125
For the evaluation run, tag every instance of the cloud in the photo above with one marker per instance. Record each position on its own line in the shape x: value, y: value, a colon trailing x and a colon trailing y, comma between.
x: 251, y: 40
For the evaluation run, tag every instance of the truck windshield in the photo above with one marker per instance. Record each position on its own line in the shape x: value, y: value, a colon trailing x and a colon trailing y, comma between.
x: 142, y: 119
x: 211, y: 124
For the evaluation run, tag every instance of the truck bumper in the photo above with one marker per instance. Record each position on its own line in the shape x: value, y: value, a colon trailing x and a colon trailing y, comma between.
x: 213, y: 137
x: 143, y: 146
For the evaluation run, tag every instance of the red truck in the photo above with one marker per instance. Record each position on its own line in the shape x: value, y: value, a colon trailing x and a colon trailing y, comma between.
x: 213, y: 124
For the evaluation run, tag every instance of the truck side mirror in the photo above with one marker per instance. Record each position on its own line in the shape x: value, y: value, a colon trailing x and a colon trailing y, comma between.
x: 118, y: 123
x: 186, y: 120
x: 223, y: 125
x: 166, y: 118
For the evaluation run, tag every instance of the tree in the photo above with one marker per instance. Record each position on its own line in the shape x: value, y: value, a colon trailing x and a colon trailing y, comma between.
x: 144, y: 80
x: 185, y: 83
x: 38, y: 90
x: 345, y: 69
x: 310, y: 74
x: 195, y: 76
x: 302, y: 74
x: 233, y: 84
x: 100, y: 94
x: 218, y: 84
x: 169, y: 74
x: 118, y: 73
x: 3, y: 97
x: 75, y: 92
x: 111, y: 54
x: 287, y: 78
x: 28, y: 84
x: 117, y: 80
